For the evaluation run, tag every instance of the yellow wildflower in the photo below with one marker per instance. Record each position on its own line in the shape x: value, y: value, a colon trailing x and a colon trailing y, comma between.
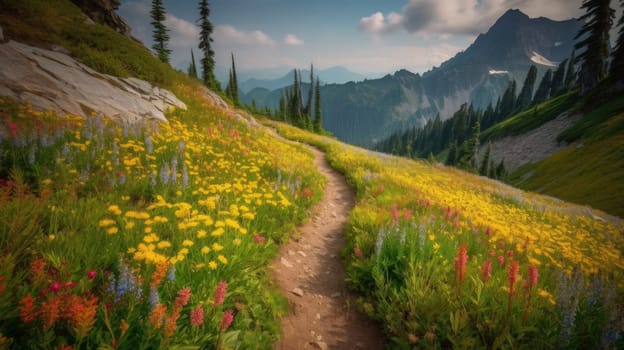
x: 106, y: 222
x: 205, y: 250
x: 212, y: 265
x: 222, y: 259
x: 187, y: 243
x: 112, y: 230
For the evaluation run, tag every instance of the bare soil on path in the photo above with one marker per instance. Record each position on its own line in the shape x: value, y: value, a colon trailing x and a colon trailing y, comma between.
x: 322, y: 312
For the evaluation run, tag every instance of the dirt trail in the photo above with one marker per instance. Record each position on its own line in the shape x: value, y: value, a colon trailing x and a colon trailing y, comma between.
x: 309, y: 272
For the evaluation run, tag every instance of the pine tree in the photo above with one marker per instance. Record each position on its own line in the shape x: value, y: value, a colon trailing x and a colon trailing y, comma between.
x: 192, y: 70
x: 318, y: 119
x: 470, y: 158
x: 501, y: 172
x: 617, y: 62
x: 598, y: 20
x: 308, y: 107
x: 543, y: 91
x: 486, y: 162
x: 205, y: 40
x: 526, y: 94
x: 232, y: 89
x: 159, y: 33
x: 556, y: 86
x: 451, y: 158
x: 508, y: 101
x: 571, y: 73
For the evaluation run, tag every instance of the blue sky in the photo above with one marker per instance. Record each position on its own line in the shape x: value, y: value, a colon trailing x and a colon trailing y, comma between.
x: 268, y: 37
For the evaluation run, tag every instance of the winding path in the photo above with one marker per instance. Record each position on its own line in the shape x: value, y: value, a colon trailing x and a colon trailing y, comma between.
x: 322, y: 312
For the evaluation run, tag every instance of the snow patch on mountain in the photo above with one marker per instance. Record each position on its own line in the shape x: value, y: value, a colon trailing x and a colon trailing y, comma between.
x: 539, y: 59
x: 494, y: 71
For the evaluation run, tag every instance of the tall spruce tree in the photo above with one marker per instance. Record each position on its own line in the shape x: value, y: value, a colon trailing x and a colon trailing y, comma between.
x: 318, y: 116
x: 308, y: 107
x: 598, y: 20
x: 570, y: 78
x: 192, y: 70
x: 159, y: 33
x: 451, y: 158
x: 487, y: 161
x: 526, y: 94
x: 508, y: 102
x: 232, y: 87
x: 557, y: 84
x: 205, y: 40
x: 543, y: 91
x: 617, y: 59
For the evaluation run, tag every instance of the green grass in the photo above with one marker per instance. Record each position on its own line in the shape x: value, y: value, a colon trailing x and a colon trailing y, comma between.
x: 597, y: 123
x: 60, y: 22
x: 531, y: 118
x: 590, y: 173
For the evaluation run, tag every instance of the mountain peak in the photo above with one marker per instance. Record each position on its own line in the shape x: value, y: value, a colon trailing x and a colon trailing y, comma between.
x: 511, y: 18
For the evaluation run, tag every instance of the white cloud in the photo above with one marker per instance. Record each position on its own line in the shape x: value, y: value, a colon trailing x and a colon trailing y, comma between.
x: 292, y: 40
x: 182, y: 33
x: 451, y: 17
x: 229, y: 34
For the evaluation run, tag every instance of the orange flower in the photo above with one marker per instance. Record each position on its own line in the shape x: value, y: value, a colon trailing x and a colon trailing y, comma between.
x: 82, y: 313
x: 512, y: 276
x: 159, y: 273
x: 183, y: 297
x: 460, y: 265
x: 157, y: 317
x: 28, y: 309
x: 50, y: 311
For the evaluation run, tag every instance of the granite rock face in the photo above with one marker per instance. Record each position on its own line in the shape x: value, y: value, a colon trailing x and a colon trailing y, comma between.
x: 51, y: 80
x: 103, y: 11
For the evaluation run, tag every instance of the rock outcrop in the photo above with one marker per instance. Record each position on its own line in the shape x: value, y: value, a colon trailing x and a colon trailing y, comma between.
x: 103, y: 11
x: 532, y: 146
x: 51, y: 80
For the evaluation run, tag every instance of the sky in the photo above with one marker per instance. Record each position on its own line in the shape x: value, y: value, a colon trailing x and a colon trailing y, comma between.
x: 371, y: 37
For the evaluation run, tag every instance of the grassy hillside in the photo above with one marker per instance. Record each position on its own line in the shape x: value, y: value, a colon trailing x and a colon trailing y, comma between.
x: 446, y: 259
x: 531, y: 118
x: 138, y: 237
x: 591, y: 169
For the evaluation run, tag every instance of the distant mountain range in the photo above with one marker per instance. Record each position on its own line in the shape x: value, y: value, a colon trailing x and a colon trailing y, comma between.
x: 337, y: 74
x: 366, y: 111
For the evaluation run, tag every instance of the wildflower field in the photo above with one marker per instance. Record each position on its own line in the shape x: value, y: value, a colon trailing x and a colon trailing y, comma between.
x: 447, y: 259
x: 116, y: 236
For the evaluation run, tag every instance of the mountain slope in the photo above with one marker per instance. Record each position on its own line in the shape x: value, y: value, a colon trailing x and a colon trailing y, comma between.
x: 364, y: 112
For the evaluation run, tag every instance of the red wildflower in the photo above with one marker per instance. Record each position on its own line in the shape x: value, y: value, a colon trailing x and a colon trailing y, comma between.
x: 501, y: 244
x: 2, y: 285
x: 82, y: 312
x: 226, y: 320
x: 460, y: 265
x: 358, y: 252
x: 394, y: 211
x: 28, y: 309
x: 488, y: 231
x: 55, y: 287
x: 407, y: 214
x: 50, y: 311
x: 183, y: 297
x: 532, y: 277
x: 258, y: 238
x: 510, y: 254
x: 91, y: 275
x: 37, y: 269
x: 220, y: 292
x: 512, y: 276
x: 486, y: 270
x: 501, y: 260
x: 197, y: 316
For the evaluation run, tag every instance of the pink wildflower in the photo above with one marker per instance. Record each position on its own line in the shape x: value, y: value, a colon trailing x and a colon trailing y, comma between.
x: 220, y: 292
x: 226, y: 320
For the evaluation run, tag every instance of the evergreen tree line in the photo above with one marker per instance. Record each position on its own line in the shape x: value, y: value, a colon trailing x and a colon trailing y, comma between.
x: 292, y: 109
x: 460, y: 134
x: 437, y: 136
